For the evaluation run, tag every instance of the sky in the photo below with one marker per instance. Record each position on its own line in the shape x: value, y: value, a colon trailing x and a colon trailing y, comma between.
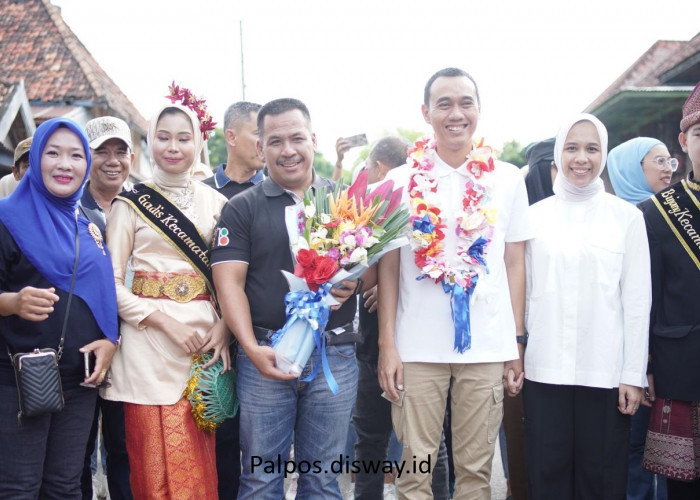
x: 360, y: 66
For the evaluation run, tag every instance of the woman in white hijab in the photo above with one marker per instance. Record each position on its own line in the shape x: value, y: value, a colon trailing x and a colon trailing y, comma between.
x: 162, y: 230
x: 588, y: 300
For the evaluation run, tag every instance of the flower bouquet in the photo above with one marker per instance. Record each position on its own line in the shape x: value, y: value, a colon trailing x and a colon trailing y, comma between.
x: 334, y: 236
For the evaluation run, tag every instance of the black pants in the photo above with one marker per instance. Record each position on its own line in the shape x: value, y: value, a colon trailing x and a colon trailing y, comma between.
x: 681, y: 490
x: 228, y: 457
x: 114, y: 435
x: 513, y: 423
x: 577, y: 442
x: 42, y: 457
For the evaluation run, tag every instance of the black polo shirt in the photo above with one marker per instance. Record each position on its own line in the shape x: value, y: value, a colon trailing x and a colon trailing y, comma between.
x: 252, y: 230
x: 92, y: 211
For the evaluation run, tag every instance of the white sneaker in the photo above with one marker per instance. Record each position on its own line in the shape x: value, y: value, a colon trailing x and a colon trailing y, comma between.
x: 99, y: 485
x: 390, y: 492
x: 347, y: 487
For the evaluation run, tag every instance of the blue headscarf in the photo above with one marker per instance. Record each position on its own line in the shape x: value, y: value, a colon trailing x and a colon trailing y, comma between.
x: 43, y: 226
x: 625, y: 169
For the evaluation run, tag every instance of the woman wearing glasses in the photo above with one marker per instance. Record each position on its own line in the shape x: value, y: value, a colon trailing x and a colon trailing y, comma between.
x: 588, y: 300
x: 639, y: 168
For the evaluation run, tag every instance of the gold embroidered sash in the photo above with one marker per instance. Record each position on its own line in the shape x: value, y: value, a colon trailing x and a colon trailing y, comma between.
x: 681, y: 211
x: 175, y: 227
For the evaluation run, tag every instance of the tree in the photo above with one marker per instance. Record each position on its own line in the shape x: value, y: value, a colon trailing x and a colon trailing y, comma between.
x: 323, y: 167
x: 217, y: 148
x: 513, y: 153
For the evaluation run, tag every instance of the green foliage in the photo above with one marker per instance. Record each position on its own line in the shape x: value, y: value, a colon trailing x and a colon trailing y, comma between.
x: 513, y: 152
x: 409, y: 134
x: 217, y: 148
x: 323, y: 167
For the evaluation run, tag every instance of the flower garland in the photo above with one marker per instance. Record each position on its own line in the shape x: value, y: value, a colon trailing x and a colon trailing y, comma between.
x: 475, y: 223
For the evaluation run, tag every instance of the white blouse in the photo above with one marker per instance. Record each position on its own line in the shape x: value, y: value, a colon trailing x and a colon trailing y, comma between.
x: 588, y: 293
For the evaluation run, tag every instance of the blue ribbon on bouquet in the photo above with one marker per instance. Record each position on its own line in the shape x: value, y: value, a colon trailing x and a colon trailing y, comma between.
x: 310, y: 307
x: 460, y: 298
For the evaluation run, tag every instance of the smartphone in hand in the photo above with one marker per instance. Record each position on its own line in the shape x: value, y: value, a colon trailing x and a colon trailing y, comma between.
x: 89, y: 367
x: 357, y: 140
x: 89, y: 362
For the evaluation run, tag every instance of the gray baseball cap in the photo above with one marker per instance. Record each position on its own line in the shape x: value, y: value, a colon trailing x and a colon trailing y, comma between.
x: 104, y: 128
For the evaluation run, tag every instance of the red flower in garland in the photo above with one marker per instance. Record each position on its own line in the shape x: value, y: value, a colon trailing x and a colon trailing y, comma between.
x: 472, y: 197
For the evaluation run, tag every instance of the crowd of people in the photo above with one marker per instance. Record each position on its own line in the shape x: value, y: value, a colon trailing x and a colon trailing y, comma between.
x: 532, y: 299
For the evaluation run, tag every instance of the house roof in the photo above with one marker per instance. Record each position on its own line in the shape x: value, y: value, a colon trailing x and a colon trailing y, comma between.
x: 7, y: 90
x: 666, y: 64
x: 36, y: 45
x: 16, y: 120
x: 646, y: 98
x: 642, y: 73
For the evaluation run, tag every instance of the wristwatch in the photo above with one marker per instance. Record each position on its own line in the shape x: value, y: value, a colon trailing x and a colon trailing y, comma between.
x: 522, y: 339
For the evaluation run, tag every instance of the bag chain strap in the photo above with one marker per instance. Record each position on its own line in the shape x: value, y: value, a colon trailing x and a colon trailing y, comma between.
x: 72, y: 285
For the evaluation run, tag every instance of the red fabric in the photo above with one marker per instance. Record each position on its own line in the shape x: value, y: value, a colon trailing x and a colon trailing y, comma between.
x: 170, y: 458
x: 673, y: 440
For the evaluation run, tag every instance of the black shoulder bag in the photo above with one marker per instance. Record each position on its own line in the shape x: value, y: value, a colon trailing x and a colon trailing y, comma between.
x: 37, y: 375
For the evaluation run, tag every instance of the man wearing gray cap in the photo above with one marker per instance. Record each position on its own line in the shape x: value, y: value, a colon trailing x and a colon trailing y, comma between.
x: 112, y: 158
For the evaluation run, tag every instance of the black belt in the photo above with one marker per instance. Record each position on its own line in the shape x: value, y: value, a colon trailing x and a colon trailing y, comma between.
x: 341, y: 335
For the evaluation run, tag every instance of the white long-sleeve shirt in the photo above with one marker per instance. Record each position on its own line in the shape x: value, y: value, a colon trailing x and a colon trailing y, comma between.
x: 588, y: 293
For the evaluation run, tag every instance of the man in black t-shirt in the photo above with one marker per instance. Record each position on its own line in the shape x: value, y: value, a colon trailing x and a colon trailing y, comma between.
x: 250, y: 249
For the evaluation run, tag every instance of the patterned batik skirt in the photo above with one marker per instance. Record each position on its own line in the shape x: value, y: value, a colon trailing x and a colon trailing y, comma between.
x: 673, y: 440
x: 169, y: 457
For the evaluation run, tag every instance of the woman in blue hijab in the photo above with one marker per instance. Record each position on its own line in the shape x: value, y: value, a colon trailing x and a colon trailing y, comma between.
x: 42, y: 456
x: 639, y: 168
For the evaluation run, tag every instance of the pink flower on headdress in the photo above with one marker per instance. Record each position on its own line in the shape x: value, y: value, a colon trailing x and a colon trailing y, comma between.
x: 188, y: 99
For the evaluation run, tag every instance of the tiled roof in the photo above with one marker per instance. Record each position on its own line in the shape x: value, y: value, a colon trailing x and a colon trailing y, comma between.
x: 656, y: 69
x: 37, y: 45
x: 643, y: 73
x: 687, y: 52
x: 7, y: 90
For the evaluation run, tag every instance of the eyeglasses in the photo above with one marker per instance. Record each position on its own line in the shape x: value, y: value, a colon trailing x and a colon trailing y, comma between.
x: 662, y: 162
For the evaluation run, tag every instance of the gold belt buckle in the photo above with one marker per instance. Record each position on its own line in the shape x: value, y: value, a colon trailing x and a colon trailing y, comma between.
x: 182, y: 288
x: 150, y: 288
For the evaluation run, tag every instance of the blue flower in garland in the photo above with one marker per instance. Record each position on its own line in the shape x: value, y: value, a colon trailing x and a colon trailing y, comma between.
x: 424, y: 225
x: 477, y: 249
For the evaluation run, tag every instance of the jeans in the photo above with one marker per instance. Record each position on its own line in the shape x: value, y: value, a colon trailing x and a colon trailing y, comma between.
x: 372, y: 421
x: 642, y: 484
x: 44, y: 455
x: 271, y: 410
x: 114, y: 436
